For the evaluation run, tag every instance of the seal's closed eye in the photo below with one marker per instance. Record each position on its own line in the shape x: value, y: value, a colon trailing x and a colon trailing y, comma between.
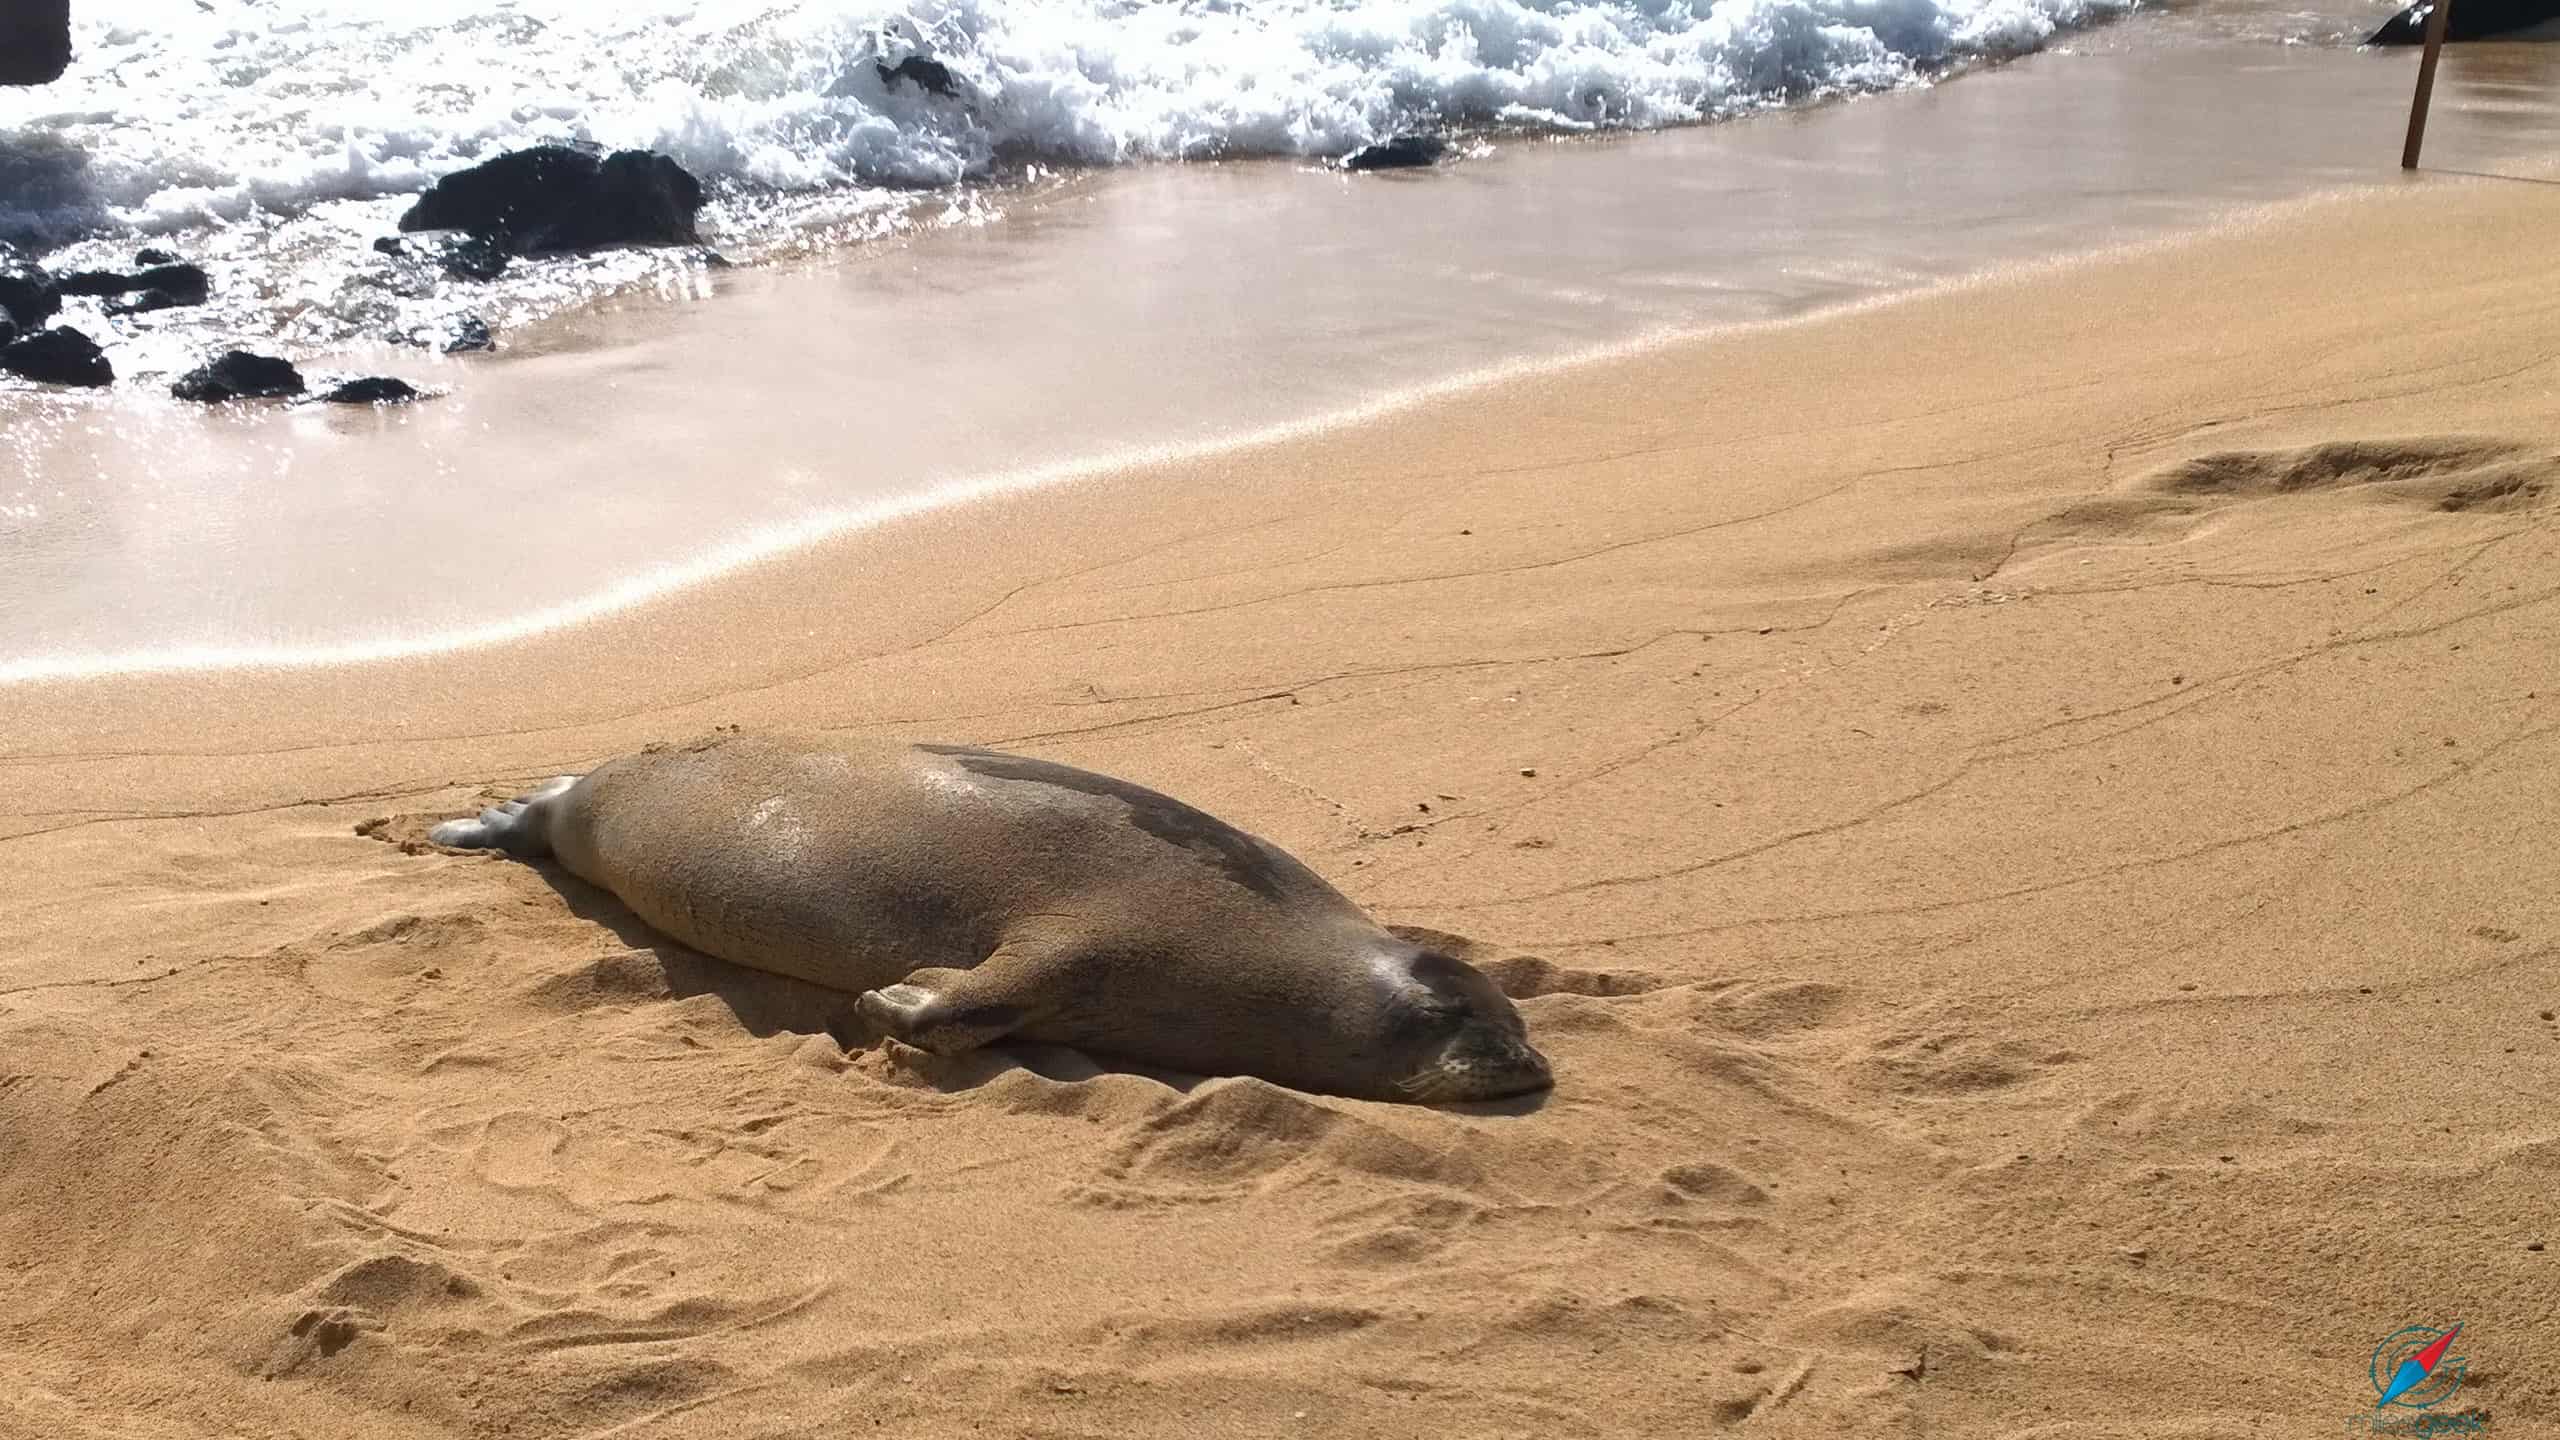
x: 1440, y: 972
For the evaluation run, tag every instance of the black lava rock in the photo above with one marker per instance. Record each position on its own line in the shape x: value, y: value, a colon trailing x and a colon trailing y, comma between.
x: 27, y: 294
x: 920, y: 71
x: 373, y: 390
x: 154, y: 257
x: 35, y: 41
x: 183, y: 284
x: 2470, y: 20
x: 146, y: 302
x: 61, y: 356
x: 648, y: 200
x: 470, y: 334
x: 560, y: 197
x: 8, y: 330
x: 389, y: 245
x: 473, y: 257
x: 236, y: 375
x: 1402, y: 152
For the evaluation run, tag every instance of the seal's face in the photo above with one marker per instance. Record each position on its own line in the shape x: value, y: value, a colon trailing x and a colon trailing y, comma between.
x: 1445, y: 1033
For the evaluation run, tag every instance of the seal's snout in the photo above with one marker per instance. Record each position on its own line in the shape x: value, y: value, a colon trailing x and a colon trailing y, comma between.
x: 1529, y: 1071
x: 1483, y: 1050
x: 1487, y: 1068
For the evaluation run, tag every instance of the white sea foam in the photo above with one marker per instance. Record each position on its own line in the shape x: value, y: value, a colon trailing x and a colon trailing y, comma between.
x: 190, y: 111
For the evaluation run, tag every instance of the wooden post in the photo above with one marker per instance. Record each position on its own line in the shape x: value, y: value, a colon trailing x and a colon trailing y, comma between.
x: 2438, y: 17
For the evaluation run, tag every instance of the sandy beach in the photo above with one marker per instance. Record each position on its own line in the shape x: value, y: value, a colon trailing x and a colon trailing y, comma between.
x: 2031, y: 801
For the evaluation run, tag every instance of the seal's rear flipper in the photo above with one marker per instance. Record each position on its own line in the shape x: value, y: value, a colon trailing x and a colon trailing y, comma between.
x: 520, y: 826
x: 936, y: 1010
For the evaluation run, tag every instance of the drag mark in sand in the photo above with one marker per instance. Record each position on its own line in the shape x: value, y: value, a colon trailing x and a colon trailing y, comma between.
x: 2458, y: 770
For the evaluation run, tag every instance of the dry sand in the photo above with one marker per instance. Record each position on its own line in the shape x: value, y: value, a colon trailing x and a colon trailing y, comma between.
x: 2035, y: 800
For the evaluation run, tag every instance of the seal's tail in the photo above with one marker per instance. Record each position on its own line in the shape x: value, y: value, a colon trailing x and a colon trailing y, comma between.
x: 521, y: 826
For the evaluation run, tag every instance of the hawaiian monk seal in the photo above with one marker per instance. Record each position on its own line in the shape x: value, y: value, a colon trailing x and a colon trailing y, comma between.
x: 967, y: 895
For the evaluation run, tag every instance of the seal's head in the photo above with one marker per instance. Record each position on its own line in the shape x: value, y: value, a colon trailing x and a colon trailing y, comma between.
x: 1442, y: 1032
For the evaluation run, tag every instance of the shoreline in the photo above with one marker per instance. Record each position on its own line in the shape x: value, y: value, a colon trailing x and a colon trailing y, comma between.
x: 960, y: 362
x: 809, y: 538
x: 2031, y: 801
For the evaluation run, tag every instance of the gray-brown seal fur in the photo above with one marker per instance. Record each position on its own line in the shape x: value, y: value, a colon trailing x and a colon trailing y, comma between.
x: 967, y: 895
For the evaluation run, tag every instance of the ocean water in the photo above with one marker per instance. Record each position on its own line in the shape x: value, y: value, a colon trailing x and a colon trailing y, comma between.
x: 1042, y: 318
x: 273, y: 140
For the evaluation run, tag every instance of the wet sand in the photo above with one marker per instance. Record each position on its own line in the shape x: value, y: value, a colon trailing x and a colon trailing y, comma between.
x: 644, y: 445
x: 2033, y: 800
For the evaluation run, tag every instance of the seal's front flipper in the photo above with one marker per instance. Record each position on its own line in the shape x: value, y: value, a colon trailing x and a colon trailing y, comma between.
x: 521, y: 827
x: 944, y: 1011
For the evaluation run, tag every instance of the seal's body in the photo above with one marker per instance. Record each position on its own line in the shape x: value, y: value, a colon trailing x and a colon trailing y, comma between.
x: 968, y: 895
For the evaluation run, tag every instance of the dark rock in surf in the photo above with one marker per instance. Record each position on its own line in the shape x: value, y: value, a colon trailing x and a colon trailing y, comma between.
x: 154, y: 257
x: 27, y: 294
x: 470, y: 334
x: 145, y: 303
x: 373, y: 390
x: 8, y: 330
x: 2470, y: 20
x: 35, y: 41
x: 239, y: 375
x: 389, y: 245
x: 2409, y: 27
x: 473, y: 257
x: 1403, y: 152
x: 647, y: 199
x: 923, y: 72
x: 183, y: 284
x: 562, y: 197
x: 186, y: 284
x: 61, y: 356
